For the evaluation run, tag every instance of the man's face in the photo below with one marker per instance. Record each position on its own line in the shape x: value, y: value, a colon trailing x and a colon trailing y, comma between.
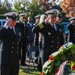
x: 10, y: 22
x: 13, y: 23
x: 58, y: 20
x: 52, y: 19
x: 29, y: 19
x: 22, y: 18
x: 37, y: 20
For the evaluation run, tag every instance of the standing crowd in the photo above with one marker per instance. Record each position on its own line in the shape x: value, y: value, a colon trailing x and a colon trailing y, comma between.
x: 47, y: 33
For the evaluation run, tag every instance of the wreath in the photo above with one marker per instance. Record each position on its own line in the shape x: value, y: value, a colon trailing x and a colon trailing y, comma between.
x: 65, y: 52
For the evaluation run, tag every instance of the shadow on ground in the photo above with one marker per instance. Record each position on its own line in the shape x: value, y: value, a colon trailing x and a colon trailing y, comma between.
x: 28, y: 71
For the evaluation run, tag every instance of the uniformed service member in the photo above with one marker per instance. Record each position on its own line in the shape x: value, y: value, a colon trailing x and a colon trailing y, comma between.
x: 59, y: 19
x: 36, y: 35
x: 24, y: 37
x: 10, y: 36
x: 71, y: 28
x: 53, y: 37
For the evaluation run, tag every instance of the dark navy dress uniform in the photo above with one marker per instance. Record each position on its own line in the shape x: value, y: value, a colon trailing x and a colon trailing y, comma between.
x: 24, y: 40
x: 10, y: 53
x: 36, y: 35
x: 71, y: 28
x: 53, y: 39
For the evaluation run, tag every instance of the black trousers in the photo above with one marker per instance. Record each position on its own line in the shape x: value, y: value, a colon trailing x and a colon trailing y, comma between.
x: 43, y: 57
x: 10, y: 69
x: 24, y: 48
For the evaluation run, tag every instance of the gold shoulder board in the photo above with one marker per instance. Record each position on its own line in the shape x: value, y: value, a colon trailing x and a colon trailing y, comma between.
x: 41, y: 25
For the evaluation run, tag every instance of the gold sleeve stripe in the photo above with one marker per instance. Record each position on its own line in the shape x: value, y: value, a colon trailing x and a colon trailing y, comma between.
x: 41, y: 26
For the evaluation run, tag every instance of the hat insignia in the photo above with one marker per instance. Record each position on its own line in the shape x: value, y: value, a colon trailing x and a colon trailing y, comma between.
x: 14, y: 15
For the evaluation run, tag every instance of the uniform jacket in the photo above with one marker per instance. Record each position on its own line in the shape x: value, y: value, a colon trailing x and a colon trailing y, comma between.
x: 10, y: 49
x: 24, y: 29
x: 52, y: 39
x: 72, y: 33
x: 30, y: 33
x: 36, y: 37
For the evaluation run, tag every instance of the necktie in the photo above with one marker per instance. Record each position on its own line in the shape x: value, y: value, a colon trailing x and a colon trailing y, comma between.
x: 13, y: 31
x: 54, y: 27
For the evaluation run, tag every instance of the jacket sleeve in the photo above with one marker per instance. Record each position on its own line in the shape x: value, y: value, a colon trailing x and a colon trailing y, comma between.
x: 38, y: 28
x: 2, y: 32
x: 20, y: 43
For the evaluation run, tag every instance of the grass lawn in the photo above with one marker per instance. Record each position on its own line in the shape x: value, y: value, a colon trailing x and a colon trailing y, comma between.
x: 30, y: 71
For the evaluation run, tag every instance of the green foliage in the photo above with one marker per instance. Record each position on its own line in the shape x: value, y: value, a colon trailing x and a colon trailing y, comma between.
x: 66, y: 52
x: 17, y: 6
x: 31, y: 9
x: 2, y: 9
x: 31, y: 71
x: 5, y: 7
x: 57, y: 7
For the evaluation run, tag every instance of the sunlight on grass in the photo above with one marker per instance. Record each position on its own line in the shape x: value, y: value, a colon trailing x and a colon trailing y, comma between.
x: 26, y: 71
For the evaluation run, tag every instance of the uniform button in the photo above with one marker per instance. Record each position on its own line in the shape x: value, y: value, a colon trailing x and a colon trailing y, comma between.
x: 57, y: 37
x: 57, y: 42
x: 11, y: 51
x: 17, y: 52
x: 52, y: 41
x: 12, y: 42
x: 12, y: 47
x: 49, y: 33
x: 19, y: 39
x: 17, y: 42
x: 17, y: 47
x: 57, y: 47
x: 52, y: 37
x: 51, y: 46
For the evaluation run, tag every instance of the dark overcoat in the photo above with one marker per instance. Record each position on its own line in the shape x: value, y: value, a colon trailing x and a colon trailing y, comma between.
x: 24, y: 40
x: 10, y: 53
x: 71, y: 29
x: 10, y: 49
x: 24, y: 29
x: 53, y: 39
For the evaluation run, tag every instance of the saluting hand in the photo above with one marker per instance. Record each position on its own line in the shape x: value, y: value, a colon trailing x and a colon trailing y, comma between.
x: 8, y: 22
